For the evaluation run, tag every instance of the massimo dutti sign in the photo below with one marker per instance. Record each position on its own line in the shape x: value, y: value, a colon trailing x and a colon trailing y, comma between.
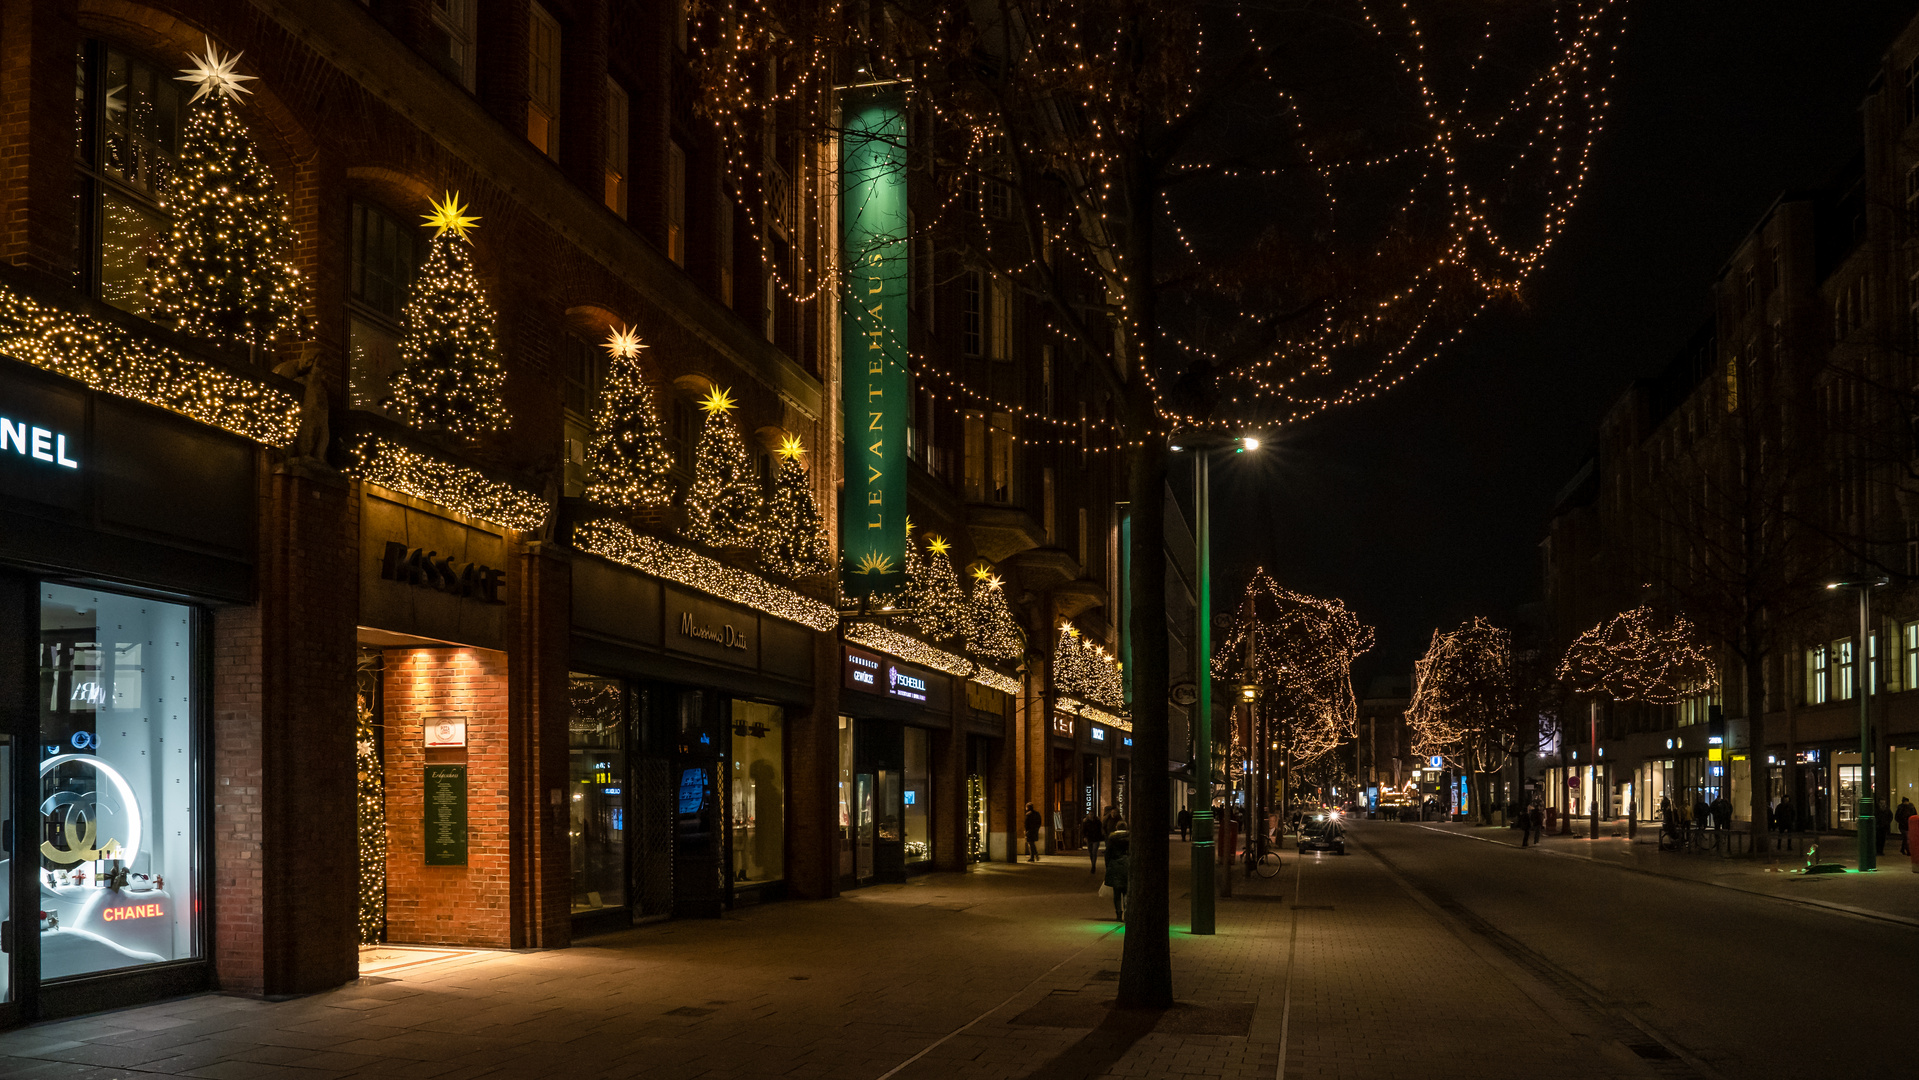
x: 701, y: 626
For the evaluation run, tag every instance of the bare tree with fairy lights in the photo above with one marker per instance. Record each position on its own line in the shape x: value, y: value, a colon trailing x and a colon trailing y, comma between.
x: 1464, y: 707
x: 1299, y: 650
x: 224, y: 274
x: 1249, y: 212
x: 451, y: 380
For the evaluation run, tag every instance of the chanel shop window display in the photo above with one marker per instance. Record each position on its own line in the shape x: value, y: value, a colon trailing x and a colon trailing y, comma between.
x: 117, y: 777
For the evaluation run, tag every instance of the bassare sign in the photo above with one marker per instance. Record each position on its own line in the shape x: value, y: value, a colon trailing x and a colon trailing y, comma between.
x: 25, y: 439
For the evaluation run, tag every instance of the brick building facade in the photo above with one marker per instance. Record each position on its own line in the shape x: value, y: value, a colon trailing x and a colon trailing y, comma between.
x: 425, y: 690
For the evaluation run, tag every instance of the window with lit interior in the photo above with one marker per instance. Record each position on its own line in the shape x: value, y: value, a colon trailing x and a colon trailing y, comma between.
x: 126, y: 123
x: 118, y: 857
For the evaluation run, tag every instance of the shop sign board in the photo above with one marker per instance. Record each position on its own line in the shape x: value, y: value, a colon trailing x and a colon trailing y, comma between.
x: 427, y: 575
x: 446, y: 733
x: 712, y: 629
x: 873, y: 673
x: 873, y: 329
x: 446, y: 815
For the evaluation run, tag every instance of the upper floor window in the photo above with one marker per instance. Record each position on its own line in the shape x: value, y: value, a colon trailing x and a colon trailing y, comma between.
x: 1818, y: 675
x: 973, y: 313
x: 676, y: 203
x: 999, y: 319
x: 127, y: 122
x: 1844, y: 678
x: 543, y: 81
x: 450, y: 38
x: 1909, y: 634
x: 379, y: 272
x: 1912, y: 89
x: 724, y: 241
x: 989, y: 457
x: 616, y: 147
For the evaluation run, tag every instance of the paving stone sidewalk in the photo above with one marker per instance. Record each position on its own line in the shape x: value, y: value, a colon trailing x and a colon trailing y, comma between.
x: 1000, y: 973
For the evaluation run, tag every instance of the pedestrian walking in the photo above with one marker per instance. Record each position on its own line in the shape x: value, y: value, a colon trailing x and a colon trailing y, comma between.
x: 1092, y: 832
x: 1118, y: 862
x: 1701, y: 812
x: 1536, y: 817
x: 1903, y: 816
x: 1782, y: 820
x: 1523, y: 821
x: 1033, y: 822
x: 1184, y: 819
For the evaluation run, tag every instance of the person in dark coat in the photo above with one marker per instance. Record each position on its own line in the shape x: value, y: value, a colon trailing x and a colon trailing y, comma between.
x: 1903, y: 817
x: 1184, y: 819
x: 1782, y: 820
x: 1033, y: 822
x: 1721, y: 813
x: 1118, y: 845
x: 1092, y: 832
x: 1536, y: 817
x: 1701, y: 813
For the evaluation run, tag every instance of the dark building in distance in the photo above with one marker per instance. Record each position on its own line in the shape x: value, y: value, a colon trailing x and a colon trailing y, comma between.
x: 1773, y: 456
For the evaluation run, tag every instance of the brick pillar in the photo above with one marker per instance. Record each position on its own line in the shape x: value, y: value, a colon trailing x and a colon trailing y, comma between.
x: 285, y: 854
x: 540, y: 615
x: 812, y: 781
x: 1035, y: 763
x: 36, y: 133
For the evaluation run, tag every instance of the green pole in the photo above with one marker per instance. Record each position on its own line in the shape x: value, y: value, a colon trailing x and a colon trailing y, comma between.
x: 1868, y: 854
x: 1203, y: 854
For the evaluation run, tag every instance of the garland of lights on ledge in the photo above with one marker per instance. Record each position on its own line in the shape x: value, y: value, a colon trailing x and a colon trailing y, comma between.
x: 107, y: 358
x: 1082, y: 668
x: 437, y: 480
x: 1093, y: 713
x: 650, y: 555
x: 915, y: 651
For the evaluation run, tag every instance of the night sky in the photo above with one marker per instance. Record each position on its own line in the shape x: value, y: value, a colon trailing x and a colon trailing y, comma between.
x: 1426, y: 506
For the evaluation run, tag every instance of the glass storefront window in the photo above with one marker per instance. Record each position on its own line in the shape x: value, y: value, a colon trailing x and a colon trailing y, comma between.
x: 918, y: 811
x: 596, y: 797
x: 118, y: 774
x: 1847, y: 788
x: 758, y: 793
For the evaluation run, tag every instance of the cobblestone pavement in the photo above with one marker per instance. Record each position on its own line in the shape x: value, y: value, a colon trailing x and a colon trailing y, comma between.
x: 1005, y: 972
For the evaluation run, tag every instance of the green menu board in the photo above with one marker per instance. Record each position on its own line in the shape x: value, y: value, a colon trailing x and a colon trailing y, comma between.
x: 446, y: 815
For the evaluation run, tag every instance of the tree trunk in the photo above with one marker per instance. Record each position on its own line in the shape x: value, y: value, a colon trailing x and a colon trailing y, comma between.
x: 1146, y: 965
x: 1146, y: 962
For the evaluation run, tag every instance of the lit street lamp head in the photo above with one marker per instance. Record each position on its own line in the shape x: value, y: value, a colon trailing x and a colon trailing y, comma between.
x: 1860, y: 581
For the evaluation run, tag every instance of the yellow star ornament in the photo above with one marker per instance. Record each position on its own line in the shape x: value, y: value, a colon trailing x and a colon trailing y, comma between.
x: 624, y: 343
x: 981, y: 573
x: 449, y: 215
x: 791, y: 448
x: 717, y: 401
x: 938, y: 546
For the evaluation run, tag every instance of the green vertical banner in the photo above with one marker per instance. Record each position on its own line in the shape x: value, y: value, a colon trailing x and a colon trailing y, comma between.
x: 873, y: 335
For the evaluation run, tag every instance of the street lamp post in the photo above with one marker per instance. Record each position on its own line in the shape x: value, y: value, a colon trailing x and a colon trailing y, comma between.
x: 1862, y: 689
x: 1205, y: 858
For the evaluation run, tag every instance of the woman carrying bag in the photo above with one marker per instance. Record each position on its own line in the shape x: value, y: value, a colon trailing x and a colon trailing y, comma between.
x: 1118, y: 843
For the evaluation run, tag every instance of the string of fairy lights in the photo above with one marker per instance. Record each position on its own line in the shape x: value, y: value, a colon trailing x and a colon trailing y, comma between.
x: 1084, y: 669
x: 102, y: 355
x: 1480, y: 148
x: 1299, y: 650
x: 1638, y: 655
x: 437, y: 479
x: 912, y: 650
x: 618, y: 542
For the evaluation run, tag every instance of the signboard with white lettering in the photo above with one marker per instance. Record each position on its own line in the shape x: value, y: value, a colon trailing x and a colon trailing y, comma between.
x: 874, y: 673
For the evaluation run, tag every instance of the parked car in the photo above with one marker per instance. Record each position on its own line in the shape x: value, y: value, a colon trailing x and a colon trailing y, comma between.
x: 1321, y: 831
